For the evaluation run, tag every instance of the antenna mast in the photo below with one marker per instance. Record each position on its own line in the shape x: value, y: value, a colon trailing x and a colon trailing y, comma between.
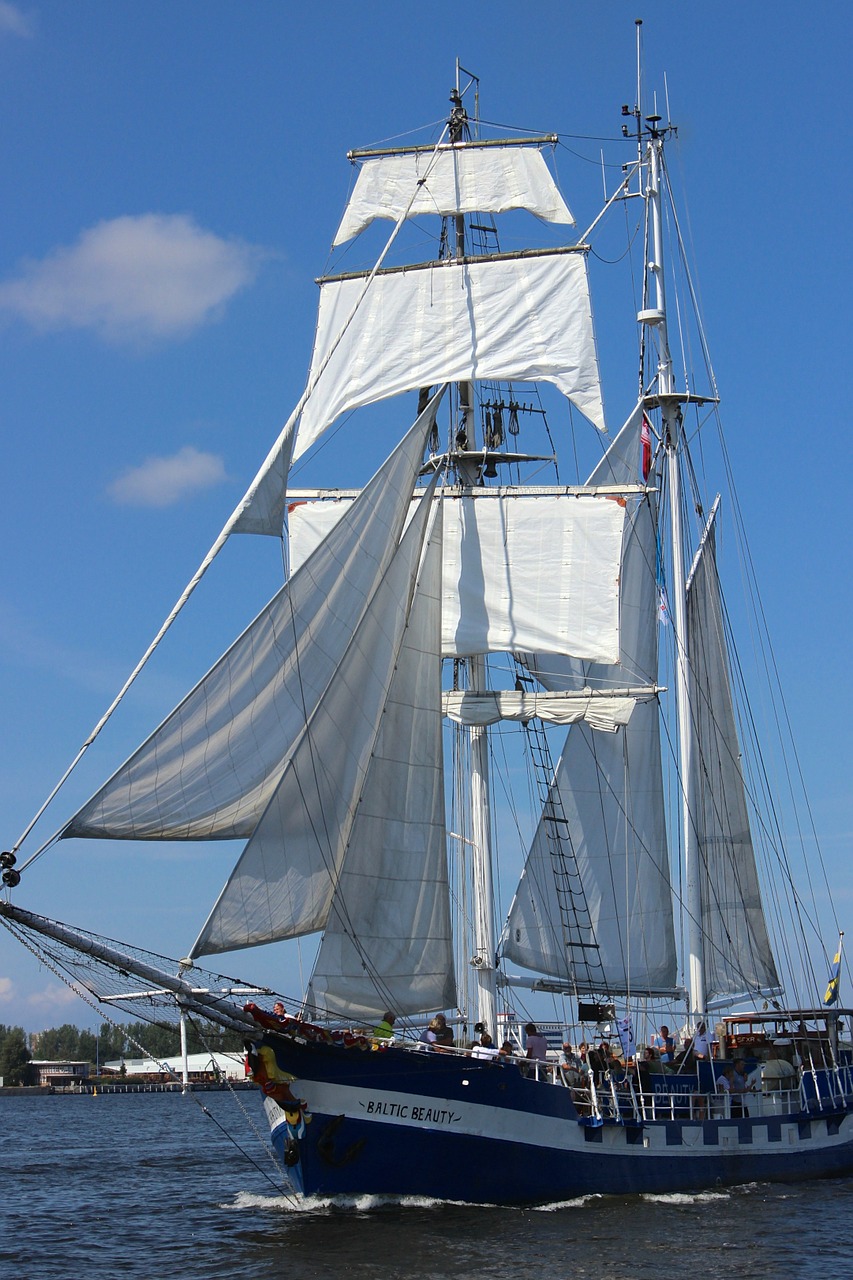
x: 653, y: 136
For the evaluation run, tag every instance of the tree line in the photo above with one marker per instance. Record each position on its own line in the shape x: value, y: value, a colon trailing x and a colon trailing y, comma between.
x: 112, y: 1041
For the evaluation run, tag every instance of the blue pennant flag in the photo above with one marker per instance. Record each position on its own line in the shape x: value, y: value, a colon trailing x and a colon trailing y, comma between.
x: 835, y: 978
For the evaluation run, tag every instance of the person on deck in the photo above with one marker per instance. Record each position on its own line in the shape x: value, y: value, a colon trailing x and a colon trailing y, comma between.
x: 740, y: 1085
x: 665, y: 1044
x: 537, y: 1045
x: 536, y: 1050
x: 384, y: 1030
x: 485, y: 1048
x: 570, y: 1067
x: 725, y: 1088
x: 443, y: 1034
x: 701, y: 1044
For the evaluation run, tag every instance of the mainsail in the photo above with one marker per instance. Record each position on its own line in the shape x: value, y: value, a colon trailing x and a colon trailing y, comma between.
x: 211, y: 767
x: 737, y: 952
x: 521, y: 571
x: 608, y: 791
x: 388, y: 939
x: 452, y: 180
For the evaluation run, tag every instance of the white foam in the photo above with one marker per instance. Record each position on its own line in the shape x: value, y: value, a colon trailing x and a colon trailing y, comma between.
x: 293, y: 1203
x: 555, y: 1206
x: 682, y: 1197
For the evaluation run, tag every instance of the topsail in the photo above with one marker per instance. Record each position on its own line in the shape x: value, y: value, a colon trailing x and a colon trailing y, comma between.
x: 451, y: 180
x: 523, y: 317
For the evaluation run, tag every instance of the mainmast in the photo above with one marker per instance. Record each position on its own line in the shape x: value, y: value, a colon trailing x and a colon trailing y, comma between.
x: 670, y: 401
x: 483, y: 930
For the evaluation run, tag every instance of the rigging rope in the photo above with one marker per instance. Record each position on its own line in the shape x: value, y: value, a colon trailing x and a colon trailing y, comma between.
x: 43, y: 957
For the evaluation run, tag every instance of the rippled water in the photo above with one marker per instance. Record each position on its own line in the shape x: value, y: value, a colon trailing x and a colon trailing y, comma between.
x: 145, y: 1185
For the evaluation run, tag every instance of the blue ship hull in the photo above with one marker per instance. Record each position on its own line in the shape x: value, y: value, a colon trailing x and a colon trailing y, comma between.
x: 397, y: 1122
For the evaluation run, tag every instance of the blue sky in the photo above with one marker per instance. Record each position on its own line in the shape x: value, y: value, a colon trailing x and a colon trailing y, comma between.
x: 172, y: 179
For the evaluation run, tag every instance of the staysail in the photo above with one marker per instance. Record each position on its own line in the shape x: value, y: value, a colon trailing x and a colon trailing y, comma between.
x: 388, y: 940
x: 211, y: 767
x: 451, y: 180
x: 737, y: 952
x: 608, y: 790
x: 283, y: 883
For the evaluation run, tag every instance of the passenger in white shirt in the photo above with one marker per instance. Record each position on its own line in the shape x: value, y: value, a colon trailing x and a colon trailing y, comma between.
x: 701, y: 1043
x: 485, y: 1049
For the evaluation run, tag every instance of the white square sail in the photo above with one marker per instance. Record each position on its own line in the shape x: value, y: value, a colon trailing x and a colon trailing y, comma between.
x: 452, y: 180
x: 491, y: 602
x: 524, y: 319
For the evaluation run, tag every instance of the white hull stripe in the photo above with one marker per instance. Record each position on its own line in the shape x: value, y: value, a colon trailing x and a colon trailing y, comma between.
x: 406, y: 1110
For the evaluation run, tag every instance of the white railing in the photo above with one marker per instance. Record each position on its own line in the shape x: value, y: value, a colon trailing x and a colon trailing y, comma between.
x: 613, y: 1100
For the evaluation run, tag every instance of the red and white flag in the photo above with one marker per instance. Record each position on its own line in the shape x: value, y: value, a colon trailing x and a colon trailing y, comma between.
x: 646, y: 438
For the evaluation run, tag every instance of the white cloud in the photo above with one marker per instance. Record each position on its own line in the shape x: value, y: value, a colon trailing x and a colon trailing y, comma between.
x: 14, y: 21
x: 130, y: 278
x: 7, y: 989
x: 53, y: 996
x: 161, y: 482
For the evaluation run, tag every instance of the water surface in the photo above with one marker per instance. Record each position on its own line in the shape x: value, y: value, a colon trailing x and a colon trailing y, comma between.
x: 147, y: 1185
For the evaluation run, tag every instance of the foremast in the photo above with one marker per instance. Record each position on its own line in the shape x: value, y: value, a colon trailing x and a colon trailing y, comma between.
x: 482, y: 959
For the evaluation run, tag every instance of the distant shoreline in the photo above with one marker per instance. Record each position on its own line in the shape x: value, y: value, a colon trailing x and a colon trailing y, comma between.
x: 147, y: 1086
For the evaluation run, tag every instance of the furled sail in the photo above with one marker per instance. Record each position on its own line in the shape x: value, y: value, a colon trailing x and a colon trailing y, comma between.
x: 488, y: 706
x: 519, y: 318
x: 210, y: 768
x: 491, y: 602
x: 451, y: 180
x: 737, y: 952
x: 388, y: 941
x: 608, y: 795
x: 283, y: 882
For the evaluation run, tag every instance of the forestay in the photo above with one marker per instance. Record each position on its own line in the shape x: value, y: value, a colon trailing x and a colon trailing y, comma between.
x: 609, y: 789
x: 210, y: 768
x: 737, y: 952
x: 451, y: 180
x: 388, y: 941
x: 491, y: 601
x: 524, y: 318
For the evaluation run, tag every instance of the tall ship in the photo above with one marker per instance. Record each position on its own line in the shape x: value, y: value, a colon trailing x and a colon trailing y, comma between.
x: 464, y: 640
